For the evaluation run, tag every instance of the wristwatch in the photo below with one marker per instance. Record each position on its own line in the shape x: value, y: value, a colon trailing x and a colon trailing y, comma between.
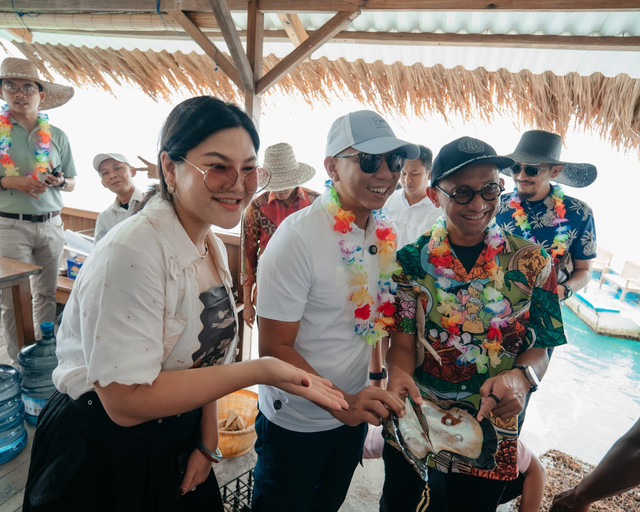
x: 530, y: 374
x: 568, y: 291
x: 378, y: 375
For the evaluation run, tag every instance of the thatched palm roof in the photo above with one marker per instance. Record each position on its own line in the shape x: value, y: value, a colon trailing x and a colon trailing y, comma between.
x: 608, y: 106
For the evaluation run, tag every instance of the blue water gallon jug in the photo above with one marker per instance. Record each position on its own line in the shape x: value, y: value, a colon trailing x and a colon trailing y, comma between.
x: 37, y: 361
x: 13, y: 435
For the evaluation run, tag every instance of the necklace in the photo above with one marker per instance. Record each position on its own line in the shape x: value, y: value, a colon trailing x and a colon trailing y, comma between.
x: 43, y: 144
x: 559, y: 244
x: 370, y: 324
x: 462, y: 309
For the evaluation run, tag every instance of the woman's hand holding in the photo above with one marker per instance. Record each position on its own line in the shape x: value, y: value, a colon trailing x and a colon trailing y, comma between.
x: 198, y: 468
x: 293, y: 380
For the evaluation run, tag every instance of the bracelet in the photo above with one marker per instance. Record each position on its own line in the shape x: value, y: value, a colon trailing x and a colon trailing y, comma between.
x: 1, y: 187
x: 212, y: 456
x: 62, y: 185
x: 378, y: 375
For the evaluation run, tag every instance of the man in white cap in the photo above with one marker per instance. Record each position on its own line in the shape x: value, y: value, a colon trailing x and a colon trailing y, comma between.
x: 283, y: 196
x: 35, y: 166
x: 116, y: 174
x: 324, y: 301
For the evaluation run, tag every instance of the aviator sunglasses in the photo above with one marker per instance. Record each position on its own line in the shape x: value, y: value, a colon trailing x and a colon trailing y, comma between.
x: 371, y: 163
x: 221, y: 177
x: 530, y: 170
x: 465, y: 194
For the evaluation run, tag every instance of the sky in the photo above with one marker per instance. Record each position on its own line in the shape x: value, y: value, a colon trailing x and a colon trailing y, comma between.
x: 129, y: 123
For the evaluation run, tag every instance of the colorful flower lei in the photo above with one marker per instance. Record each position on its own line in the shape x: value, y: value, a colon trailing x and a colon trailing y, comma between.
x: 559, y: 244
x: 441, y: 257
x: 370, y: 324
x: 43, y: 144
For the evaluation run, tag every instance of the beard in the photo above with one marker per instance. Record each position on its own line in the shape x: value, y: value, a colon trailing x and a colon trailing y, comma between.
x: 525, y: 196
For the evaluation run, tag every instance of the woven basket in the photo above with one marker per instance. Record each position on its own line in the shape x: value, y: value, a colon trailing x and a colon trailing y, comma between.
x: 245, y: 403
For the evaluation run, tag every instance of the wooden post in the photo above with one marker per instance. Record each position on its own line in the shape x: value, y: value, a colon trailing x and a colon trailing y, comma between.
x: 255, y: 40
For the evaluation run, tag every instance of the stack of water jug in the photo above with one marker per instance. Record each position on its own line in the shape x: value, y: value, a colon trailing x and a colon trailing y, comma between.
x: 23, y: 396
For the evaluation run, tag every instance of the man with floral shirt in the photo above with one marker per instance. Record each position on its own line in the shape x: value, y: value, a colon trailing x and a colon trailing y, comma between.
x: 476, y: 309
x: 540, y: 211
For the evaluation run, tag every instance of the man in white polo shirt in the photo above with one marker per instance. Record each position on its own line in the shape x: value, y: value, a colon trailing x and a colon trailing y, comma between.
x: 116, y: 174
x: 326, y: 295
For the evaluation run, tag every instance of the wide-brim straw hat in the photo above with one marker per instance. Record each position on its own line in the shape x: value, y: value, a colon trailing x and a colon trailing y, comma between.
x: 55, y: 94
x: 286, y: 171
x: 538, y: 147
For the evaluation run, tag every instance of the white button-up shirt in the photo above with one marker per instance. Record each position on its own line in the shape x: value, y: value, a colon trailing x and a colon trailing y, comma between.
x: 411, y: 221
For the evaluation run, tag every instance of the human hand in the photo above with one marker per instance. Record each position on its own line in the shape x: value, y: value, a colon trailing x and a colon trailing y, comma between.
x: 372, y: 405
x: 294, y: 380
x: 150, y: 167
x: 402, y: 383
x: 54, y: 180
x: 504, y: 395
x: 25, y: 184
x: 249, y: 315
x: 198, y: 468
x: 567, y: 501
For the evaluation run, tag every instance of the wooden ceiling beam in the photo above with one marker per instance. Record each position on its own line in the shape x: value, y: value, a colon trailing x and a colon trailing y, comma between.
x: 23, y: 33
x: 208, y: 47
x: 230, y: 34
x: 255, y: 50
x: 320, y: 36
x: 133, y: 6
x: 293, y: 27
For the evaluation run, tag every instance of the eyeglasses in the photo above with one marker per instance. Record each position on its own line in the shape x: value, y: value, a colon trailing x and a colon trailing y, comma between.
x: 221, y: 177
x: 530, y: 170
x: 371, y: 163
x: 27, y: 89
x: 464, y: 194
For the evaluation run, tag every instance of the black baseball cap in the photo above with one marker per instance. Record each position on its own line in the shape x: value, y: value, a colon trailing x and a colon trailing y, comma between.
x: 462, y: 153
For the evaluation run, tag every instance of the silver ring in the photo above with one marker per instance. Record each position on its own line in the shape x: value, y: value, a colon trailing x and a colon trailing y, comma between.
x: 193, y: 489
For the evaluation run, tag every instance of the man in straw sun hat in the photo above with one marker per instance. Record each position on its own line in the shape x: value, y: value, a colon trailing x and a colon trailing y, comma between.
x: 481, y: 306
x: 538, y: 210
x: 283, y: 196
x: 35, y: 166
x: 324, y: 296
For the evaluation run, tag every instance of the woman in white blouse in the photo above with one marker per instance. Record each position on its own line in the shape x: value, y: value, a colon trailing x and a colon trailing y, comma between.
x: 149, y: 333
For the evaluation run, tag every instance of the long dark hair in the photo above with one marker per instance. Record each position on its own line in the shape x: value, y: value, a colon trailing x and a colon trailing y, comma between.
x: 191, y: 122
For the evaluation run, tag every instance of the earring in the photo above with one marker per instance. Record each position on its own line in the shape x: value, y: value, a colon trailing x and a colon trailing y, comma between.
x: 171, y: 188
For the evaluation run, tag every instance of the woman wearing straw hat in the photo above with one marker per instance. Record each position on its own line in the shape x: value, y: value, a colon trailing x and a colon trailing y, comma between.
x: 35, y: 165
x: 283, y: 196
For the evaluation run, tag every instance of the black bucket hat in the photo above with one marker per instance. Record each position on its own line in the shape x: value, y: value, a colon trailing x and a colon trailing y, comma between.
x: 462, y: 153
x: 540, y: 147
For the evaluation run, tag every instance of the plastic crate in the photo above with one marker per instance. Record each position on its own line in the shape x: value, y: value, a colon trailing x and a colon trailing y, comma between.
x: 236, y: 495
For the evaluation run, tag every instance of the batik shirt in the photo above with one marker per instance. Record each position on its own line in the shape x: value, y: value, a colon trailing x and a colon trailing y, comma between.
x: 259, y: 222
x: 529, y: 313
x: 541, y: 216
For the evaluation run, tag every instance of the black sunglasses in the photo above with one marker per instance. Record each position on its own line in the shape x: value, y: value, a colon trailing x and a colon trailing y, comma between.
x: 371, y: 163
x: 465, y: 194
x: 530, y: 170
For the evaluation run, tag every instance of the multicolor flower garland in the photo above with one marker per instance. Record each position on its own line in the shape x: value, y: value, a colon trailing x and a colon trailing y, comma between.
x: 441, y: 257
x: 559, y: 244
x: 43, y: 144
x: 369, y: 325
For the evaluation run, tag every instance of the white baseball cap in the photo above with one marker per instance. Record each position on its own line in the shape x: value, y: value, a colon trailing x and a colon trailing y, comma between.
x: 366, y: 131
x: 101, y: 157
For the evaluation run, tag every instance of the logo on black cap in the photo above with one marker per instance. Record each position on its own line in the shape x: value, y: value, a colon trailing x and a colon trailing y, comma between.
x: 469, y: 145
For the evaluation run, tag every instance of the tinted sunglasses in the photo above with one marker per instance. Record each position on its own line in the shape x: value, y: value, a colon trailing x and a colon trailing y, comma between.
x: 530, y: 170
x: 465, y: 194
x: 371, y: 163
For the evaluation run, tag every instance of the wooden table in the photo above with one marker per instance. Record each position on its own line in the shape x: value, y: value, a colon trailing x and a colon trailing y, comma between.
x: 14, y: 277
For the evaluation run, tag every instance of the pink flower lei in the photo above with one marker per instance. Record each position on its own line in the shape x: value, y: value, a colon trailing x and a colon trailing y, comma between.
x: 559, y: 244
x: 370, y: 324
x: 43, y: 145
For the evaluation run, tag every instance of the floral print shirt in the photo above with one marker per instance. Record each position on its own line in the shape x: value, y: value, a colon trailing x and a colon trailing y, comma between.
x: 529, y: 310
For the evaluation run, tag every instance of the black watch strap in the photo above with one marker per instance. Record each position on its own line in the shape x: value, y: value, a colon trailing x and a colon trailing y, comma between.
x: 378, y: 375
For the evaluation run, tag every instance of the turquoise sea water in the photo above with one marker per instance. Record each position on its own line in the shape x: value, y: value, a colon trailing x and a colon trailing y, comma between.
x: 589, y: 397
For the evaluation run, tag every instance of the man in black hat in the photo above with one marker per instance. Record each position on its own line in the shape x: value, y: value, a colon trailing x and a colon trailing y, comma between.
x: 476, y: 309
x: 540, y: 211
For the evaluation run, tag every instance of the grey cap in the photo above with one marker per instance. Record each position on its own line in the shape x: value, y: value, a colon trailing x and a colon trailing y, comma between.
x: 366, y: 131
x: 101, y: 157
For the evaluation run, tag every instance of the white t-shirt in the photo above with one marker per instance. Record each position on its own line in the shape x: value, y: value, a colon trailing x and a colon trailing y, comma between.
x: 301, y: 277
x: 411, y: 221
x: 115, y: 214
x: 135, y: 308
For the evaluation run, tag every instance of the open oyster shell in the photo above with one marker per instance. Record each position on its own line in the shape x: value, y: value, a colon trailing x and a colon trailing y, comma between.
x: 438, y: 427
